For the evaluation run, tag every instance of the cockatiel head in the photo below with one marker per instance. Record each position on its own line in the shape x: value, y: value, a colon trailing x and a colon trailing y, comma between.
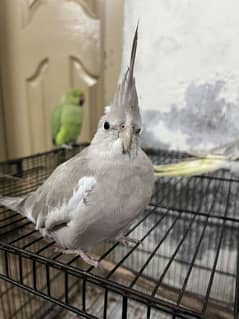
x: 120, y: 126
x: 74, y: 97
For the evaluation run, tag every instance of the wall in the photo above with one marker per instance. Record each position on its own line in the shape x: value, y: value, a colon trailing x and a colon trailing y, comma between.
x: 187, y: 70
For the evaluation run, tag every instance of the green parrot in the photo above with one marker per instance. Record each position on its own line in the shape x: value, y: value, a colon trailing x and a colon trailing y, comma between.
x: 67, y: 118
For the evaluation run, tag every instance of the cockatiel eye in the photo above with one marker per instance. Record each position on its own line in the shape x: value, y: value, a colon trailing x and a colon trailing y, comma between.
x: 138, y: 131
x: 106, y: 125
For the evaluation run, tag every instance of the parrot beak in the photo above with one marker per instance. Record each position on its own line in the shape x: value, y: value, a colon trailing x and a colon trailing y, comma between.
x: 127, y: 137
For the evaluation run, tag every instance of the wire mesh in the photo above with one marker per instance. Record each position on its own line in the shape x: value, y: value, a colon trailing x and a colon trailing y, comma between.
x: 185, y: 265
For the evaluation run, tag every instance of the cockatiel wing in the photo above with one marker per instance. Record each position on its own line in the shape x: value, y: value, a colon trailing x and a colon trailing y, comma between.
x: 54, y: 203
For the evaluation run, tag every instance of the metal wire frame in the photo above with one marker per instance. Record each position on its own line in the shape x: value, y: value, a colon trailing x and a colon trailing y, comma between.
x: 188, y: 230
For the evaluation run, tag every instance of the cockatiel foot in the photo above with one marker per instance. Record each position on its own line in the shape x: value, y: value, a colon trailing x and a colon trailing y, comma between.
x: 89, y: 259
x: 127, y: 241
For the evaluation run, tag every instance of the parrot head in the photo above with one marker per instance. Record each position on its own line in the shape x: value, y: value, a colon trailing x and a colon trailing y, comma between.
x: 75, y: 97
x: 120, y: 126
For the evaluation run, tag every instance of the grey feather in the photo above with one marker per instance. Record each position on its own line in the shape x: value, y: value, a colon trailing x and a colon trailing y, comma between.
x: 14, y: 203
x: 96, y: 195
x: 126, y: 98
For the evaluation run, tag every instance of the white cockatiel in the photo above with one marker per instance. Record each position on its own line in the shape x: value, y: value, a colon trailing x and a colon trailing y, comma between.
x: 97, y: 194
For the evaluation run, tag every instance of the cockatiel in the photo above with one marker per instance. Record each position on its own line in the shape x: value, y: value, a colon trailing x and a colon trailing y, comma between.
x: 67, y: 118
x: 98, y: 193
x: 223, y: 157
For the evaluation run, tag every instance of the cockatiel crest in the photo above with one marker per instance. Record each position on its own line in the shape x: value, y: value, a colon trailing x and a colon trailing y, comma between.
x: 123, y: 118
x: 126, y: 98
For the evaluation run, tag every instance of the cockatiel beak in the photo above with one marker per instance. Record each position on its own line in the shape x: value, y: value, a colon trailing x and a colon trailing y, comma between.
x: 127, y: 138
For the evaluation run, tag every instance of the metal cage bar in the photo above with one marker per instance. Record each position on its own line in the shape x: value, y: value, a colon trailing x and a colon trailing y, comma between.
x: 185, y: 264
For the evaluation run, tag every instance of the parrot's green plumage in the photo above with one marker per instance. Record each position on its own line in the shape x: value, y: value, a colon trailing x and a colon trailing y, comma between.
x: 67, y: 118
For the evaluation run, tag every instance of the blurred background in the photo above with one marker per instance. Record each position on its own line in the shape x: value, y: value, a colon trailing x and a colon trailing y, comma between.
x: 187, y: 68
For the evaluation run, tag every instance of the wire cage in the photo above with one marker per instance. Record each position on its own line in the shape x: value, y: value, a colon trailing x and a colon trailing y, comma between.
x: 185, y: 265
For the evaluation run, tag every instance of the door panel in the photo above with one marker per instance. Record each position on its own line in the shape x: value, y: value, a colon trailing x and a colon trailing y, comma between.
x: 3, y: 152
x: 49, y: 47
x: 80, y: 77
x: 36, y: 100
x: 113, y: 34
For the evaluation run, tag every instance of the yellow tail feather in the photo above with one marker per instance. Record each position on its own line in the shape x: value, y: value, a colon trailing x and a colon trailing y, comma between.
x: 190, y: 166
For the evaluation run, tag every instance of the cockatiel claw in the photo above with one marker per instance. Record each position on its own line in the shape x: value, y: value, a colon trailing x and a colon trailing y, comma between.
x: 86, y: 257
x: 127, y: 241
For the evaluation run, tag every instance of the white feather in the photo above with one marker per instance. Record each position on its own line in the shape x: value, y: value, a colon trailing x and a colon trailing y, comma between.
x: 29, y: 215
x: 107, y: 109
x: 70, y: 208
